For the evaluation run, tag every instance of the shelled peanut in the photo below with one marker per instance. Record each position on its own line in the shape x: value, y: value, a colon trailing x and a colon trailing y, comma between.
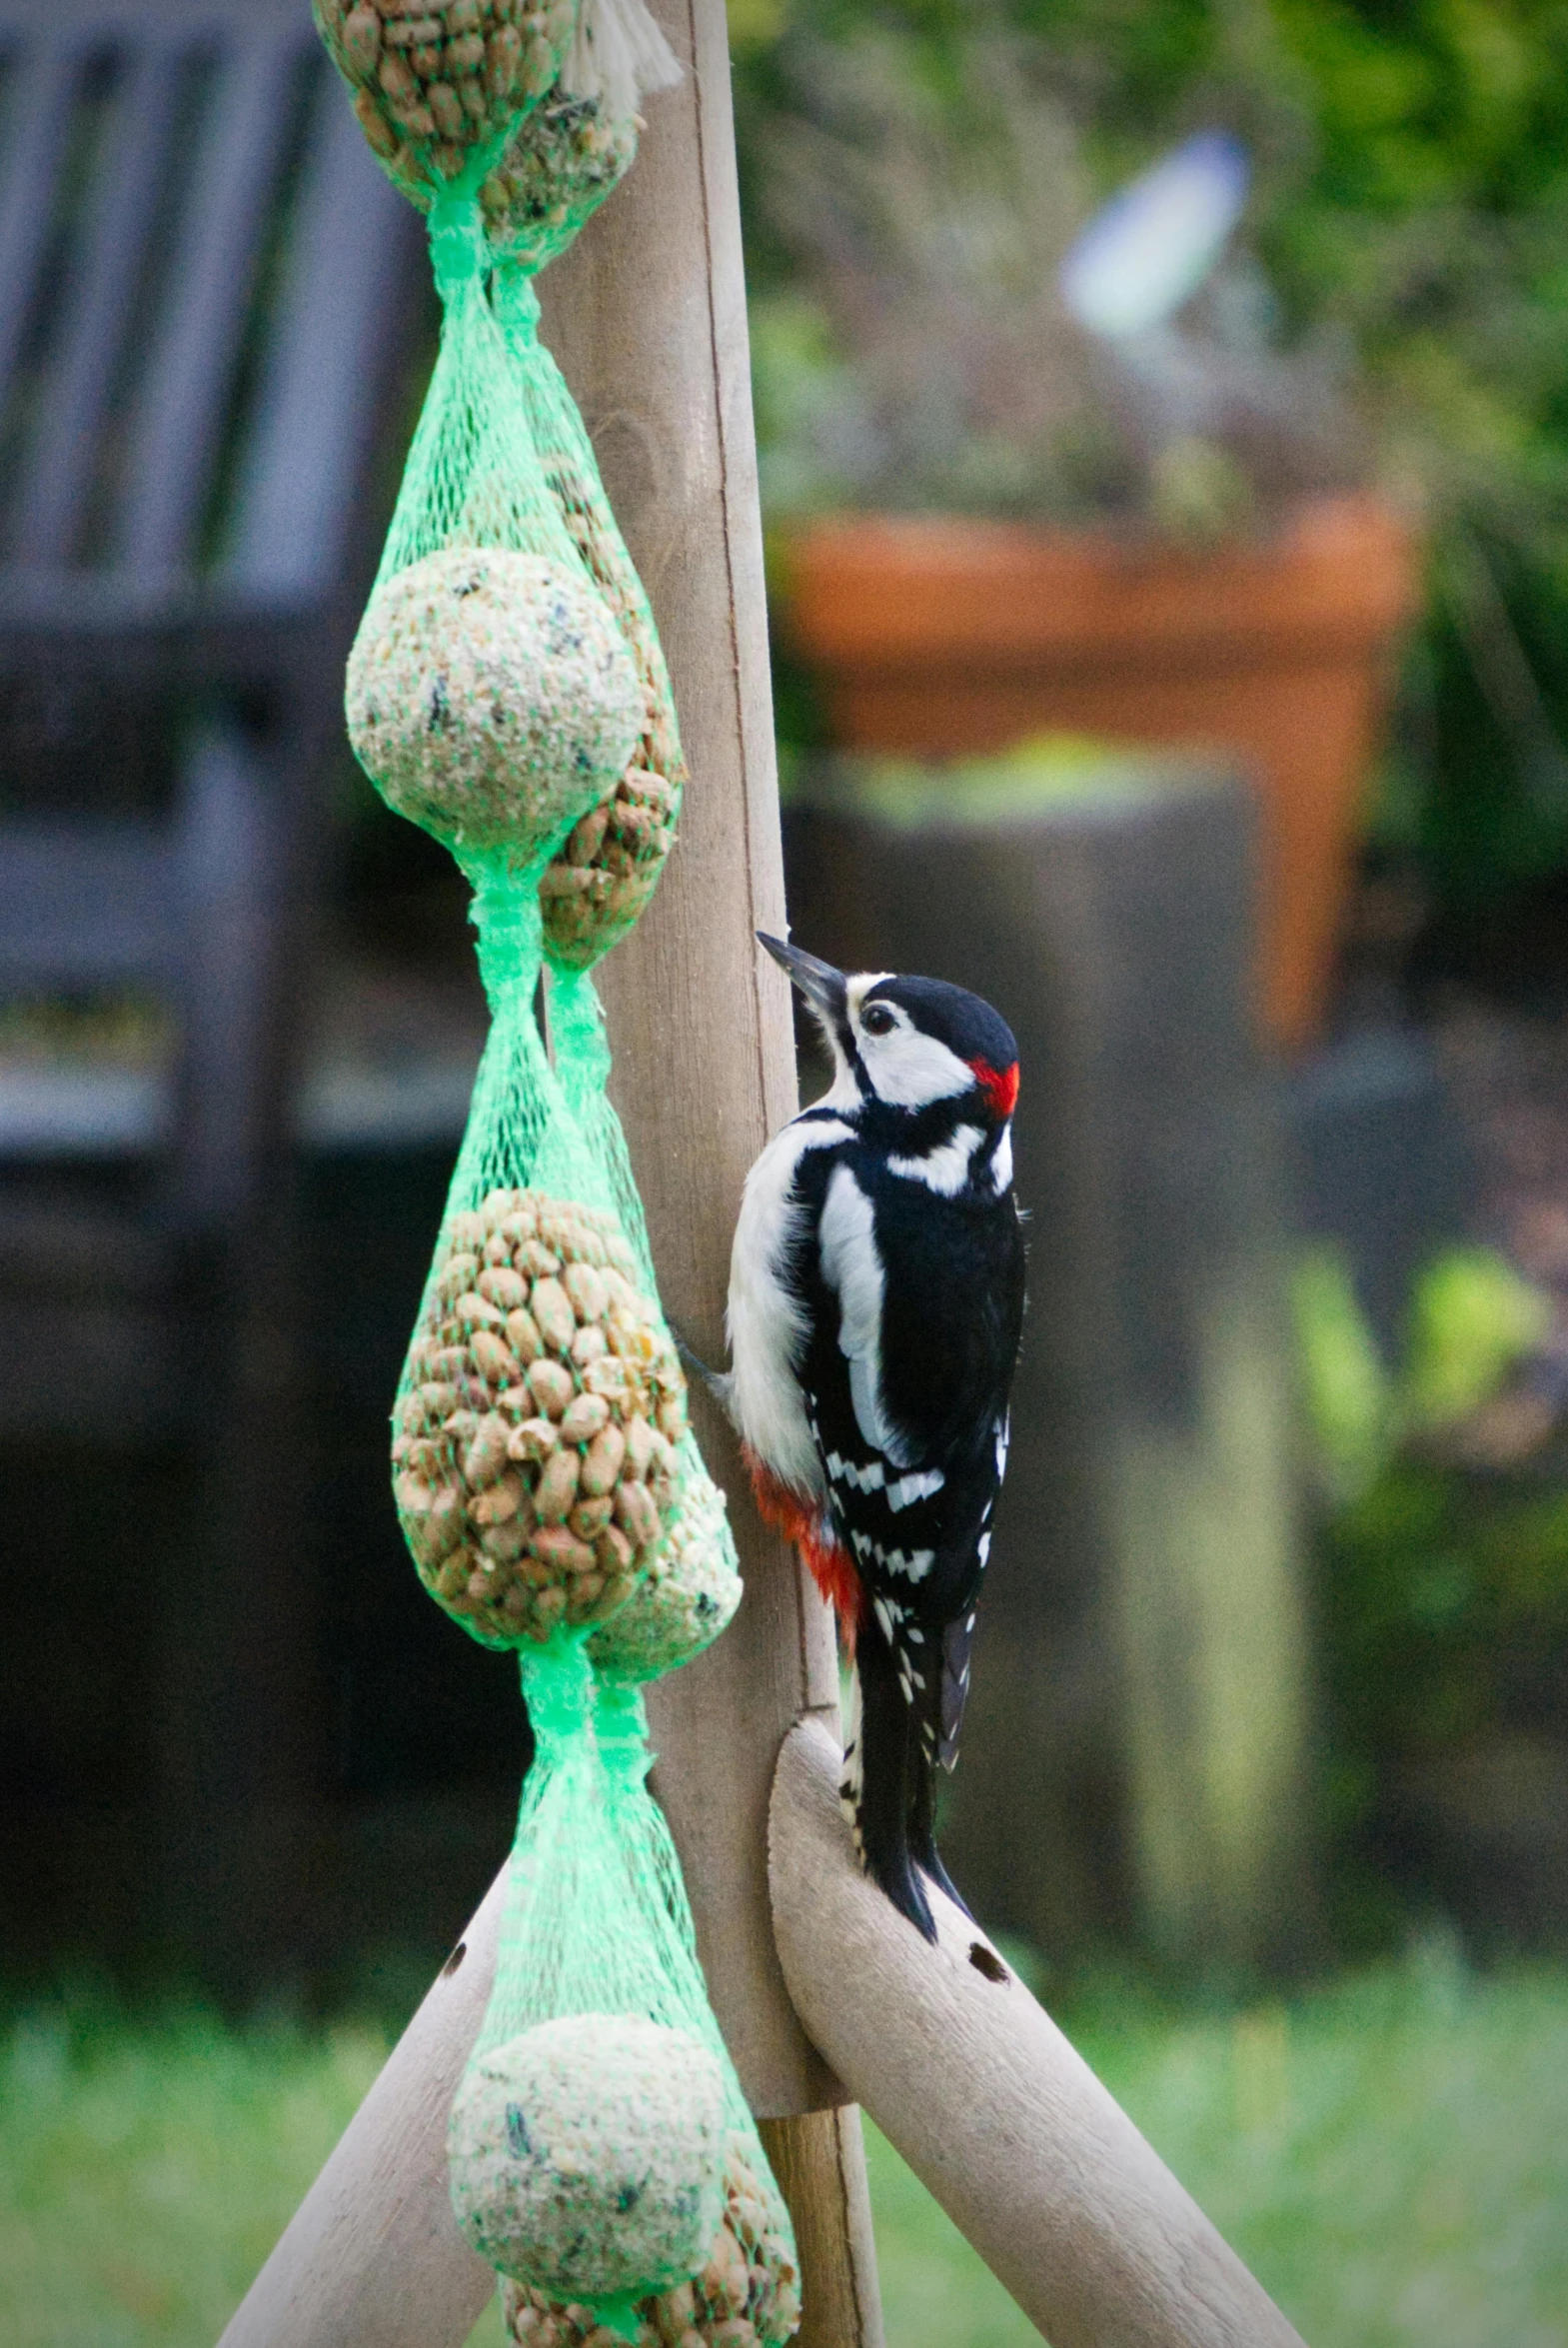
x: 435, y: 79
x: 535, y: 1435
x: 747, y: 2296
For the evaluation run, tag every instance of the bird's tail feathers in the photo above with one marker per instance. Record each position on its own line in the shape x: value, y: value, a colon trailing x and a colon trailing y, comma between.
x: 923, y: 1828
x: 884, y: 1769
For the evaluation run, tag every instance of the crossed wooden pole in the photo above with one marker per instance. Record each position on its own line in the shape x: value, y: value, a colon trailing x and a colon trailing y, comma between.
x: 826, y: 1997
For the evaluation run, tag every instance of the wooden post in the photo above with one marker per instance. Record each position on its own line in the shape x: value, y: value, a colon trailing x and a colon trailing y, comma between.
x: 990, y: 2106
x: 646, y: 316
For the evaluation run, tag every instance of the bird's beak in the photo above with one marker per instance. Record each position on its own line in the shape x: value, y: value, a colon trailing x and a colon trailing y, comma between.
x: 824, y: 988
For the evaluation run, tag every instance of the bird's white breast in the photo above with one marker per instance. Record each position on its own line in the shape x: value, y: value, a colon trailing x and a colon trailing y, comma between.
x: 764, y: 1319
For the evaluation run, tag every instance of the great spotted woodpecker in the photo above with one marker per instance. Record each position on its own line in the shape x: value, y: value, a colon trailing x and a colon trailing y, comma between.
x: 876, y: 1308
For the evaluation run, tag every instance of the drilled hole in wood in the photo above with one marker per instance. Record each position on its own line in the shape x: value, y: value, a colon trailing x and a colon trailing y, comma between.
x: 982, y: 1960
x: 456, y: 1960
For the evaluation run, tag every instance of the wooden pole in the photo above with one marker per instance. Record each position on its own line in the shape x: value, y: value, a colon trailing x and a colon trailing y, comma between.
x: 647, y: 317
x: 646, y: 314
x: 990, y: 2106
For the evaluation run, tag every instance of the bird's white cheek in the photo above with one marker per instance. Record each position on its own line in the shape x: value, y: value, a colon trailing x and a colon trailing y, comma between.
x: 910, y: 1070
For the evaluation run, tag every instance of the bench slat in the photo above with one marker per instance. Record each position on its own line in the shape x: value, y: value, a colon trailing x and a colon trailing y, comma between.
x: 60, y: 467
x: 176, y: 434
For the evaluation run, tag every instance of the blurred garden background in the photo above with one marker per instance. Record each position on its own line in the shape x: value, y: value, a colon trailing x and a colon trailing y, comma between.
x: 1162, y: 413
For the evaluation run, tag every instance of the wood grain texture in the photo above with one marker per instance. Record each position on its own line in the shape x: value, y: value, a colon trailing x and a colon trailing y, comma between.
x: 647, y: 317
x: 371, y: 2258
x: 819, y: 2160
x: 990, y: 2106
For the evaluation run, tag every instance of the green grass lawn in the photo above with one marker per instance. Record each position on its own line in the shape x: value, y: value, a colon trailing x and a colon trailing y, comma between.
x: 1390, y: 2154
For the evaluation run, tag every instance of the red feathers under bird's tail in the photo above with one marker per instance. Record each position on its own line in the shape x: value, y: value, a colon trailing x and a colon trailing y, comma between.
x: 802, y: 1522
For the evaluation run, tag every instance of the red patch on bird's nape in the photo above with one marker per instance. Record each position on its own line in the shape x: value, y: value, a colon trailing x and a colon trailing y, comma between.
x: 803, y: 1524
x: 1001, y: 1086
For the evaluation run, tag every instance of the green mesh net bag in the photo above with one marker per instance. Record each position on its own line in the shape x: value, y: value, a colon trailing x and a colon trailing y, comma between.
x: 441, y: 87
x: 506, y: 691
x: 608, y: 867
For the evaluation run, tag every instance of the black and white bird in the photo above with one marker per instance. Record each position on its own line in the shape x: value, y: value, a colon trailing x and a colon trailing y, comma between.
x: 876, y: 1308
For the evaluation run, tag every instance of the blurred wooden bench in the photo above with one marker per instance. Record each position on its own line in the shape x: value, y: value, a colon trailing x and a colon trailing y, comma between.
x: 205, y: 297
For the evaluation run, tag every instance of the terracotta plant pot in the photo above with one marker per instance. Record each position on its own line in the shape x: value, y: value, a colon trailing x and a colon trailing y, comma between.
x: 939, y: 638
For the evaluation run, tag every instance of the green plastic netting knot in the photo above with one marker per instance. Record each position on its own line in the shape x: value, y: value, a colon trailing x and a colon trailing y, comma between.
x: 620, y: 1728
x: 459, y: 254
x: 511, y: 931
x: 577, y: 1022
x: 558, y: 1682
x: 515, y: 305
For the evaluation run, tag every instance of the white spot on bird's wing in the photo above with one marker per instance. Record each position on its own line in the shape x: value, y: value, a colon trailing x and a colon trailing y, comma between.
x: 1001, y: 1159
x: 1001, y: 1447
x: 766, y: 1318
x: 982, y: 1548
x: 868, y: 1478
x: 887, y: 1616
x: 917, y: 1563
x: 852, y: 1268
x: 910, y: 1489
x: 945, y: 1170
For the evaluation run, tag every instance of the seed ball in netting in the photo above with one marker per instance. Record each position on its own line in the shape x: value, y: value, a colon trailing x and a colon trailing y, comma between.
x: 491, y: 696
x: 564, y: 160
x: 587, y: 2157
x: 540, y: 1415
x: 435, y: 79
x: 685, y: 1598
x: 746, y: 2295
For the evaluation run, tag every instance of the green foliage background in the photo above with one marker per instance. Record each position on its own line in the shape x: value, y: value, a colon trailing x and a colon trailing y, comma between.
x: 1412, y: 199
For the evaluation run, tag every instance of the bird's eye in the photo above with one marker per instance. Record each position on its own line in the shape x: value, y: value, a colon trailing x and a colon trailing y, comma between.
x: 878, y: 1020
